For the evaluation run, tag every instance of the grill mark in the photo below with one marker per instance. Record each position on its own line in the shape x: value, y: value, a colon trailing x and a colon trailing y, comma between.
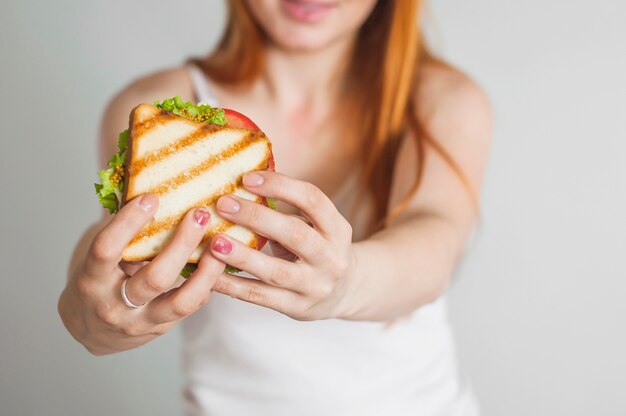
x: 185, y: 141
x: 174, y: 220
x: 159, y: 117
x: 186, y: 176
x: 222, y: 228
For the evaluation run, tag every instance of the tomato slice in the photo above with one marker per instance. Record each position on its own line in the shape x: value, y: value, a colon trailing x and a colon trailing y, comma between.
x: 237, y: 120
x: 261, y: 242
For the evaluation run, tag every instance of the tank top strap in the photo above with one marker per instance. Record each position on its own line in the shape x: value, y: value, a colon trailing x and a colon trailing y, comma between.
x: 201, y: 86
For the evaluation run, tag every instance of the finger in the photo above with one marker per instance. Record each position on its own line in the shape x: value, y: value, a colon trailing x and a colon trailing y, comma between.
x: 107, y: 247
x: 305, y: 196
x: 190, y: 296
x: 294, y: 234
x: 131, y: 267
x: 160, y: 274
x: 271, y: 270
x: 259, y: 293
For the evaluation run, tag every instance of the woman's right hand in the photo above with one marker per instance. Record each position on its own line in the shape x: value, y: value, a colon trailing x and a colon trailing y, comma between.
x: 91, y: 305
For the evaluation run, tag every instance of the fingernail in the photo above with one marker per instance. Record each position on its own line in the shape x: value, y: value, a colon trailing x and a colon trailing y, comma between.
x: 221, y: 245
x: 228, y: 204
x: 253, y: 179
x: 202, y: 217
x: 147, y: 202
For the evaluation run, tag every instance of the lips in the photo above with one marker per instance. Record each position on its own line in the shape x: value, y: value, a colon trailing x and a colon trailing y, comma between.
x: 307, y: 11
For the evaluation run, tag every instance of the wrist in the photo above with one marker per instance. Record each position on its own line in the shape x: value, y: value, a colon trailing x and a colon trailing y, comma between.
x: 353, y: 300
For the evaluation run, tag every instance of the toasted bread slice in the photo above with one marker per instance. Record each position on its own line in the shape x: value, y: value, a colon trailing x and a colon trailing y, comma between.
x: 187, y: 165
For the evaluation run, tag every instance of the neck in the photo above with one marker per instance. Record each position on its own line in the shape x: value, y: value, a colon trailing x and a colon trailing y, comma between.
x: 305, y: 79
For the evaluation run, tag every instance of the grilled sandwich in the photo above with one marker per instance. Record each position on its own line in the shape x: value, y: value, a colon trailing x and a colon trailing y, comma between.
x: 187, y: 164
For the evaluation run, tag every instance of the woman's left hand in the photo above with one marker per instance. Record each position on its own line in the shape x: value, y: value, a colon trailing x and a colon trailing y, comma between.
x: 313, y: 286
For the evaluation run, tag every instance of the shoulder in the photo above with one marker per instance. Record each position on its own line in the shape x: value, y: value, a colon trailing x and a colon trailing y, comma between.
x: 146, y: 89
x: 166, y: 81
x: 451, y: 106
x: 455, y: 115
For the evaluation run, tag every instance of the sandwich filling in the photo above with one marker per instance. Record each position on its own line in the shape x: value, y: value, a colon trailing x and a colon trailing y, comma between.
x: 110, y: 190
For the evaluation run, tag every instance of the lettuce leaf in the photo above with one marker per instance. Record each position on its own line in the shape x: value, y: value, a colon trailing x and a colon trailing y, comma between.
x: 271, y: 202
x: 188, y: 269
x: 110, y: 189
x: 191, y: 267
x: 231, y: 269
x: 201, y: 112
x: 122, y: 140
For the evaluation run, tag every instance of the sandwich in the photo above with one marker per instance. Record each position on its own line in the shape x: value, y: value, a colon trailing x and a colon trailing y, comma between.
x: 189, y: 156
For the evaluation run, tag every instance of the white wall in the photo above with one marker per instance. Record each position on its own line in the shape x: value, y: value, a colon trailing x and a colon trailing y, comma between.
x: 538, y: 302
x: 539, y: 307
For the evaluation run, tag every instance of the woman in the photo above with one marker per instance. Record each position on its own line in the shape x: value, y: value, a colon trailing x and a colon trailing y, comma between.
x: 381, y: 148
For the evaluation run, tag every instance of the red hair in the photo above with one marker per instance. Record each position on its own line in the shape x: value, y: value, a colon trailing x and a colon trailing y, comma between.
x: 381, y: 95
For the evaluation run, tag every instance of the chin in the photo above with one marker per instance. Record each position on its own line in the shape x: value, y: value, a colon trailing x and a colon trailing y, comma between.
x: 309, y: 25
x: 303, y: 42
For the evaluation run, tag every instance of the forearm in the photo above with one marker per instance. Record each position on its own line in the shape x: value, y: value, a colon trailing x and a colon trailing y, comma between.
x: 402, y: 268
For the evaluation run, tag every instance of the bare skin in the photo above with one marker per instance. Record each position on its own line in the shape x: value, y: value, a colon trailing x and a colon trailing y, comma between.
x: 339, y: 273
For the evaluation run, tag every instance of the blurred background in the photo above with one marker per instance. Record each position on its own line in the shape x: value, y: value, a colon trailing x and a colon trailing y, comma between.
x: 538, y: 303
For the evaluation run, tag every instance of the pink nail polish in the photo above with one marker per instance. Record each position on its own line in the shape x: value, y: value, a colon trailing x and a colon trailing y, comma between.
x: 202, y: 217
x: 221, y: 245
x: 228, y: 204
x: 253, y: 179
x: 146, y: 202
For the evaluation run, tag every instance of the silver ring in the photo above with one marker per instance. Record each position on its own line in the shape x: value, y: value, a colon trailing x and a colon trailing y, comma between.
x: 125, y: 297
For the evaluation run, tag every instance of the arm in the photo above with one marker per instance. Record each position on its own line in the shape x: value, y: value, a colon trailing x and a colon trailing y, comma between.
x: 411, y: 261
x: 397, y: 270
x: 91, y: 306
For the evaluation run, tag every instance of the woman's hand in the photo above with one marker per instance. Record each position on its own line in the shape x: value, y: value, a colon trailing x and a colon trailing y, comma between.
x: 91, y: 305
x: 317, y: 284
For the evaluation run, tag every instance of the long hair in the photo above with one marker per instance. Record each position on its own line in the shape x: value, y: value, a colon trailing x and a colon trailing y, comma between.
x: 381, y: 94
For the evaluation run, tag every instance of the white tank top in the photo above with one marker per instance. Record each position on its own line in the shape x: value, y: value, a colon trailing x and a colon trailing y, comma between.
x: 242, y: 359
